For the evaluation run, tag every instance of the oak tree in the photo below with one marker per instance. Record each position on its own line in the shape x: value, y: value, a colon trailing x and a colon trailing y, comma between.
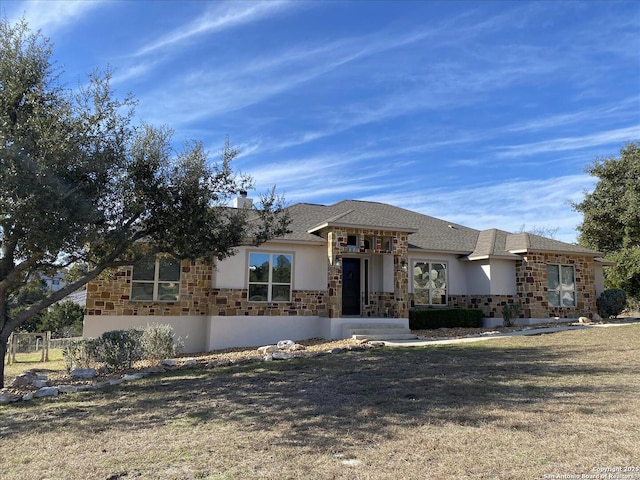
x: 611, y: 216
x: 82, y: 182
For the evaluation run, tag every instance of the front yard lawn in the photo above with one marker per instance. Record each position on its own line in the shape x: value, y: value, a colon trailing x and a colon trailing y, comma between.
x: 523, y: 407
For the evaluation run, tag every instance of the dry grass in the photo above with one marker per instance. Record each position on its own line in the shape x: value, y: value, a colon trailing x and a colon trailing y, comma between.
x: 523, y: 407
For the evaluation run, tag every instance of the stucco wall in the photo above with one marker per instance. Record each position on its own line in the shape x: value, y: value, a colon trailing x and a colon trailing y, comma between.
x: 246, y: 331
x: 309, y: 266
x: 192, y: 330
x: 503, y: 277
x: 479, y: 277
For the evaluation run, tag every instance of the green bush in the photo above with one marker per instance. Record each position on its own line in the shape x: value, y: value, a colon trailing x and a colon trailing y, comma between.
x: 81, y: 353
x: 118, y: 349
x: 426, y: 318
x: 611, y: 302
x: 158, y: 342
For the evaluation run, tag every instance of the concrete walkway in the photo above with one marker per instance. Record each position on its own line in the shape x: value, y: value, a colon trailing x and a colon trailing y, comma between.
x: 516, y: 333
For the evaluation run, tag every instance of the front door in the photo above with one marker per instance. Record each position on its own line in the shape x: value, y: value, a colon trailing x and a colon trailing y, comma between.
x: 351, y: 286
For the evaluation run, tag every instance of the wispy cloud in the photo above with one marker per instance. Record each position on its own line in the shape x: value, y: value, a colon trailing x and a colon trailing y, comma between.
x: 50, y: 16
x: 221, y: 17
x: 505, y: 205
x: 626, y: 109
x: 616, y: 136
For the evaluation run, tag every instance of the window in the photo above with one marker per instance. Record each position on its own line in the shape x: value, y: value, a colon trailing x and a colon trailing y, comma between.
x: 352, y: 242
x: 387, y: 244
x: 156, y: 279
x: 430, y: 283
x: 270, y: 277
x: 561, y: 285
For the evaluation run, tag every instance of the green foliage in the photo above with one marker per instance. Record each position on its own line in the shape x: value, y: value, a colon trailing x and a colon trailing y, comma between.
x: 81, y: 353
x: 158, y: 341
x: 611, y: 216
x: 63, y: 319
x: 75, y: 272
x: 118, y: 349
x: 420, y: 319
x: 33, y: 291
x: 611, y: 302
x: 77, y: 170
x: 510, y: 312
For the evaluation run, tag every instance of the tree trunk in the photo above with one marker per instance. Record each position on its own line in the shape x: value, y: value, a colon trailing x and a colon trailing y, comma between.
x: 3, y: 352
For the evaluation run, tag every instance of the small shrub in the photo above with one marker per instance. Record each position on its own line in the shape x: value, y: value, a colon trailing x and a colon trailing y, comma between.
x: 118, y: 349
x: 510, y: 312
x: 80, y: 353
x: 611, y: 302
x: 426, y: 318
x: 158, y: 341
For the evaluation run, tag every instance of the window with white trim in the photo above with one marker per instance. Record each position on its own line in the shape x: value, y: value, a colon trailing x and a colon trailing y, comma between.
x: 430, y: 283
x: 270, y: 277
x: 156, y: 279
x: 561, y: 285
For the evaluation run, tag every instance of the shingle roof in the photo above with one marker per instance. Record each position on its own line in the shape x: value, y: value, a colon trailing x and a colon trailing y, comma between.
x: 523, y: 242
x: 491, y: 243
x: 429, y: 233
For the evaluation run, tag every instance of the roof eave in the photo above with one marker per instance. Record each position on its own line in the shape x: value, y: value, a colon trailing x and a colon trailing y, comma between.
x: 324, y: 225
x: 590, y: 253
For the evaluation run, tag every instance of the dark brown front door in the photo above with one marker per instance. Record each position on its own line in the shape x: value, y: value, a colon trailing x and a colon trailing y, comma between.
x: 350, y: 286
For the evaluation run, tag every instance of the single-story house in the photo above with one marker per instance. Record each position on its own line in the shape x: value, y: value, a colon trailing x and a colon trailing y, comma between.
x: 348, y: 263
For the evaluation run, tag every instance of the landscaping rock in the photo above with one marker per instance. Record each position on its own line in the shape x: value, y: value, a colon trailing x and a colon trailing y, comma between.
x: 296, y: 347
x: 83, y: 373
x: 8, y: 397
x: 135, y: 376
x: 584, y: 320
x: 268, y: 357
x: 67, y: 388
x: 39, y: 383
x: 285, y: 344
x: 375, y: 344
x: 27, y: 396
x: 85, y: 388
x: 29, y: 378
x: 334, y: 351
x: 596, y: 318
x: 46, y: 392
x: 169, y: 362
x: 266, y: 349
x: 189, y: 362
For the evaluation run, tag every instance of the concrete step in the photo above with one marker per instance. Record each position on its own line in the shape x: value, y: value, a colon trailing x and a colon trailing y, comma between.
x: 383, y: 336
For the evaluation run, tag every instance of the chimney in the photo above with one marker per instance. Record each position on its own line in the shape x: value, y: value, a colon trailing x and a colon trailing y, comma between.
x: 242, y: 201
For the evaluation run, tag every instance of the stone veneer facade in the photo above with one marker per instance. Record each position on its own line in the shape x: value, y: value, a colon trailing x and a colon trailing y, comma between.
x: 380, y: 304
x: 110, y: 293
x: 532, y: 293
x: 531, y: 281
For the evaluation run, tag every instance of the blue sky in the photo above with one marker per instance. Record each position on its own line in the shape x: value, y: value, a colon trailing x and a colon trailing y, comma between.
x: 481, y: 113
